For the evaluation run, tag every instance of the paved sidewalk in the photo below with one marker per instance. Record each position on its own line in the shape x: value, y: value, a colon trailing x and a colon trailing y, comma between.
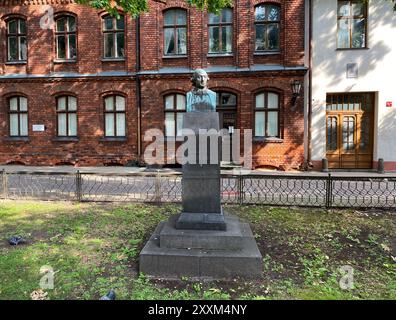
x: 121, y: 170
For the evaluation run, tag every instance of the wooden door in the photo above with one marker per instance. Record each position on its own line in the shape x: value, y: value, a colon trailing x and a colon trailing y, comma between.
x: 349, y: 125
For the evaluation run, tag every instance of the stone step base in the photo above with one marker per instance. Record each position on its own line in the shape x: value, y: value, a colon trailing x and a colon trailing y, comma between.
x: 157, y: 261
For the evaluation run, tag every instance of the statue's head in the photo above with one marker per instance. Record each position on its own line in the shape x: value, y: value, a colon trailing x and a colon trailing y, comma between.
x: 200, y: 78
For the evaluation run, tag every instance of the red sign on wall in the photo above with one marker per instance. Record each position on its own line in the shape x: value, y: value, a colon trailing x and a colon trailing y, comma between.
x: 389, y: 103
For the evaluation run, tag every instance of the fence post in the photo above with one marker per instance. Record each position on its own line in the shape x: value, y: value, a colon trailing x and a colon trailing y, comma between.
x: 78, y: 186
x: 240, y: 189
x: 5, y: 183
x: 329, y: 191
x: 158, y: 188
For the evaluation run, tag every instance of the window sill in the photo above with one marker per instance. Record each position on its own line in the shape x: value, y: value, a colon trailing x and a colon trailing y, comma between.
x: 65, y: 139
x: 65, y: 61
x: 266, y: 53
x: 113, y: 139
x: 113, y: 60
x: 17, y: 139
x: 183, y: 56
x: 219, y: 55
x: 353, y: 49
x: 15, y: 62
x: 270, y: 140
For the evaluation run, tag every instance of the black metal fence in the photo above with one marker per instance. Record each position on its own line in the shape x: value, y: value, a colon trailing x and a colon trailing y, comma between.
x: 283, y: 190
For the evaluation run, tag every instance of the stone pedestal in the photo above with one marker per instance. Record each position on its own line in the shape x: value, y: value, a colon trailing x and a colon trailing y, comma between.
x: 201, y: 254
x: 202, y: 241
x: 201, y: 197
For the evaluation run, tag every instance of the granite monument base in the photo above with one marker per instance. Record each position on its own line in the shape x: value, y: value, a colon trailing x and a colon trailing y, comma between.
x: 199, y: 254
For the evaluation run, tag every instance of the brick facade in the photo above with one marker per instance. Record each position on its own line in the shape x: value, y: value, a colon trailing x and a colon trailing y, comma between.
x: 243, y: 73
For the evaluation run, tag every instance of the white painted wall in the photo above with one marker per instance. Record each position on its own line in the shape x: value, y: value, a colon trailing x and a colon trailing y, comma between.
x: 377, y: 72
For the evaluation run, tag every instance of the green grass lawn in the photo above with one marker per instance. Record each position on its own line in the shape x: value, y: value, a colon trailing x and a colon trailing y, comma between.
x: 95, y: 247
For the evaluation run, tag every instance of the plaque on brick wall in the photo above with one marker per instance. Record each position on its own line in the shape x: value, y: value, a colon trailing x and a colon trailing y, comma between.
x: 38, y: 127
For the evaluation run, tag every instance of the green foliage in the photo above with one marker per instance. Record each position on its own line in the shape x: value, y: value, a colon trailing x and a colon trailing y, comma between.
x: 136, y: 7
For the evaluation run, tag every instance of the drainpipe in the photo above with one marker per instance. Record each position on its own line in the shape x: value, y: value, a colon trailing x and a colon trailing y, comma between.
x: 138, y: 87
x: 310, y: 84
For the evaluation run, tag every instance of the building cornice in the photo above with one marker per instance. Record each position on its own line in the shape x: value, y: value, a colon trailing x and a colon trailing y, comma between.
x: 33, y: 2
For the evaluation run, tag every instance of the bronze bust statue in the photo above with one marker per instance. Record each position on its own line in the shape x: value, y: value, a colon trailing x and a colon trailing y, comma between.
x: 200, y: 98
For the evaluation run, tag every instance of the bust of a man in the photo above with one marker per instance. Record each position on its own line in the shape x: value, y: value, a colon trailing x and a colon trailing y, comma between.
x: 200, y: 98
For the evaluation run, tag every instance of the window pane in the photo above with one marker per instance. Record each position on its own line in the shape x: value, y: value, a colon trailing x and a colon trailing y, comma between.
x: 169, y: 102
x: 179, y: 123
x: 72, y: 103
x: 182, y: 43
x: 14, y: 125
x: 343, y: 8
x: 358, y: 8
x: 12, y: 48
x: 181, y: 102
x: 260, y: 100
x: 214, y: 39
x: 121, y: 23
x: 14, y: 104
x: 169, y: 124
x: 22, y: 48
x: 60, y: 25
x: 109, y: 45
x: 72, y: 124
x: 272, y: 124
x: 169, y: 17
x: 23, y: 124
x: 22, y: 26
x: 169, y: 41
x: 273, y: 102
x: 120, y: 124
x: 358, y: 33
x: 181, y: 18
x: 62, y: 124
x: 22, y: 104
x: 109, y: 103
x: 226, y: 39
x: 228, y: 99
x: 13, y: 26
x: 72, y: 24
x: 61, y: 103
x: 120, y: 44
x: 343, y: 33
x: 273, y: 36
x: 108, y: 23
x: 260, y: 37
x: 259, y: 124
x: 109, y: 124
x: 226, y: 15
x: 120, y: 103
x: 213, y: 18
x: 259, y: 13
x: 72, y: 47
x: 273, y: 13
x: 61, y: 46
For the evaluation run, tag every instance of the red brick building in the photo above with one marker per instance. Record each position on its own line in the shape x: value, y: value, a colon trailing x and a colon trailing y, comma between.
x: 84, y: 89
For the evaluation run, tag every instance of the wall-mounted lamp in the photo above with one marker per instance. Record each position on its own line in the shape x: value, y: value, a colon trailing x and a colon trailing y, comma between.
x: 296, y: 89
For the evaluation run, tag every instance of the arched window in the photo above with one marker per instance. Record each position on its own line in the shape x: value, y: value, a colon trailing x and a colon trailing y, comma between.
x: 175, y: 32
x: 266, y: 115
x: 225, y: 100
x: 16, y: 40
x: 114, y: 37
x: 65, y: 38
x: 18, y: 116
x: 114, y: 108
x: 175, y: 106
x: 267, y: 25
x: 220, y: 32
x: 66, y: 110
